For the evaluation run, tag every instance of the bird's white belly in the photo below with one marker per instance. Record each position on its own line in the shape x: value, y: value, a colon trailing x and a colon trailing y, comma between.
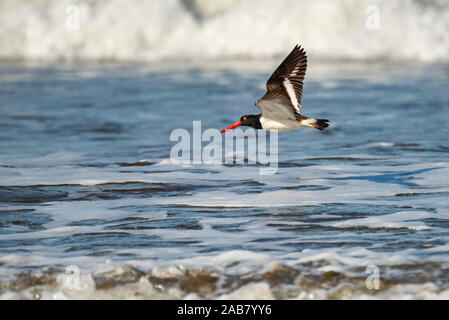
x: 279, y: 125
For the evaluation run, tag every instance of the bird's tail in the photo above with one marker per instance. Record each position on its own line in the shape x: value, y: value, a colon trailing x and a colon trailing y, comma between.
x: 319, y: 124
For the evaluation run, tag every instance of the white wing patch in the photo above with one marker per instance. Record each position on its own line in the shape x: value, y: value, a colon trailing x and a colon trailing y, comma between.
x: 276, y: 110
x: 291, y: 94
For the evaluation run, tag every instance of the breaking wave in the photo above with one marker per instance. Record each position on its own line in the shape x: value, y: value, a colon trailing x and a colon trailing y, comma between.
x: 158, y: 30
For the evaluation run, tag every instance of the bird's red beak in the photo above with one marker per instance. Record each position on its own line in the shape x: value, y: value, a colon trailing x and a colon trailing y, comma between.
x: 232, y: 126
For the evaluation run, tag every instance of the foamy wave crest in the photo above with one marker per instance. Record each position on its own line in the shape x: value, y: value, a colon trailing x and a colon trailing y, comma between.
x: 157, y: 30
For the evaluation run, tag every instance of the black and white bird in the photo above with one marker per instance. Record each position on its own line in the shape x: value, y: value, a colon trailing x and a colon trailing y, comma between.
x: 281, y: 103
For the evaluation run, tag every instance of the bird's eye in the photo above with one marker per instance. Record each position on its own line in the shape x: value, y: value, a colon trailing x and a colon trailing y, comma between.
x: 244, y: 118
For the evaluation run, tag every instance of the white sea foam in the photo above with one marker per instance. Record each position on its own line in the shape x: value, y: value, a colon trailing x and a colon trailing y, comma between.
x: 257, y: 290
x: 252, y: 291
x: 402, y: 219
x: 201, y: 29
x: 143, y: 288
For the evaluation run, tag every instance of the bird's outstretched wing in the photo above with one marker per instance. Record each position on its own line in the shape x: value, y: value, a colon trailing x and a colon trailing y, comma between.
x: 284, y: 88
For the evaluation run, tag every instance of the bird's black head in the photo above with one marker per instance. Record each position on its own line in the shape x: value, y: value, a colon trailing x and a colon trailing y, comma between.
x: 251, y: 121
x: 248, y: 120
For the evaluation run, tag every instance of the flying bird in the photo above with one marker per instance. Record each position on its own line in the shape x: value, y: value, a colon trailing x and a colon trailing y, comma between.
x: 281, y: 103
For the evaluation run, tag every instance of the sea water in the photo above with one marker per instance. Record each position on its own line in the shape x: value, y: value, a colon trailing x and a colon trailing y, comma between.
x: 88, y: 189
